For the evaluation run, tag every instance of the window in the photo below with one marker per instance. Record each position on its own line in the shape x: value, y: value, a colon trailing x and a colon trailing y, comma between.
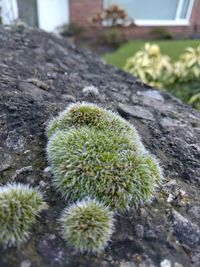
x: 156, y: 12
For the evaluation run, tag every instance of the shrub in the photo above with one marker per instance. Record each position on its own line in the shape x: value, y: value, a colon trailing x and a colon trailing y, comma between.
x: 95, y: 152
x: 195, y: 101
x: 71, y: 29
x: 187, y: 77
x: 113, y: 37
x: 161, y: 33
x: 19, y: 207
x: 87, y: 225
x: 150, y: 66
x: 188, y: 67
x: 181, y: 78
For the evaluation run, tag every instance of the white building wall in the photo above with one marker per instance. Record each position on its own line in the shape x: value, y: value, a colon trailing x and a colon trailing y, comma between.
x: 9, y: 10
x: 52, y: 14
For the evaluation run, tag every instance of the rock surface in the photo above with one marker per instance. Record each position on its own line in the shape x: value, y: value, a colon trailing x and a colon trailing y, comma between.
x: 40, y: 75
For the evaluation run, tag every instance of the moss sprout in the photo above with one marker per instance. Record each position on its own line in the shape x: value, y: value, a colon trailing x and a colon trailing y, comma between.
x: 87, y: 225
x: 95, y: 152
x: 19, y: 207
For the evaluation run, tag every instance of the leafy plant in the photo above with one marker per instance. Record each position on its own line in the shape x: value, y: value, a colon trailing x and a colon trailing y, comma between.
x: 151, y: 66
x: 113, y: 16
x: 181, y: 78
x: 195, y: 101
x: 187, y: 77
x: 95, y: 152
x: 112, y: 37
x: 188, y: 66
x: 87, y: 225
x: 20, y: 206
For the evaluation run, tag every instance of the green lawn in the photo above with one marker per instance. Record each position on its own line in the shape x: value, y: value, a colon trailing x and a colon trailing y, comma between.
x: 171, y: 48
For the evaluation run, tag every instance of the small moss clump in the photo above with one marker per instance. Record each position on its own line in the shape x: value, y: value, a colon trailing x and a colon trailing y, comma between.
x: 87, y: 225
x: 86, y: 114
x: 102, y: 164
x: 93, y: 151
x: 19, y: 207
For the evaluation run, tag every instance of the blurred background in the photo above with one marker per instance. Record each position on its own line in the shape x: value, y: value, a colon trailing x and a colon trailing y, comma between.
x: 156, y: 41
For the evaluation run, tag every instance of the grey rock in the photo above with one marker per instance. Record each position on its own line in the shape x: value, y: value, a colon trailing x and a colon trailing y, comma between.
x: 26, y: 263
x: 104, y: 264
x: 69, y: 98
x: 165, y: 263
x: 154, y: 94
x: 185, y: 231
x: 136, y: 111
x: 34, y: 91
x: 5, y: 161
x: 23, y: 170
x: 150, y: 235
x: 90, y: 90
x: 196, y: 260
x: 47, y: 172
x: 120, y: 97
x: 143, y: 261
x: 177, y: 264
x: 167, y: 123
x: 195, y: 212
x: 139, y: 230
x: 38, y: 83
x: 127, y: 264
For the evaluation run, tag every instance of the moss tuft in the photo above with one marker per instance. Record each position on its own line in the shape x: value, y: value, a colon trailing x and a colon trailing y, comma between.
x: 95, y: 152
x: 101, y: 164
x: 19, y: 207
x: 87, y: 225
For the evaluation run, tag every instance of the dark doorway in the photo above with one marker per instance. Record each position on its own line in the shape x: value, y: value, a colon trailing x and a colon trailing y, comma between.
x: 28, y: 12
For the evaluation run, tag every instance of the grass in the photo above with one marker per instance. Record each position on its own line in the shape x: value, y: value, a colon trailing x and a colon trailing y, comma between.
x: 172, y: 48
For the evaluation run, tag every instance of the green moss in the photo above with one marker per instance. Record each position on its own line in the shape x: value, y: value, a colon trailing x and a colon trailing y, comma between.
x: 86, y: 114
x: 87, y: 225
x: 77, y: 115
x: 103, y: 164
x: 19, y: 207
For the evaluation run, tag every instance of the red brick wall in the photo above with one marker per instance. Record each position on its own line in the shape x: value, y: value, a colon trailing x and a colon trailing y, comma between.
x: 195, y: 18
x: 81, y: 10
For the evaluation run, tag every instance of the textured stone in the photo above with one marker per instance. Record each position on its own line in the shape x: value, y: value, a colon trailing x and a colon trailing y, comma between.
x: 165, y: 263
x: 136, y: 111
x: 195, y: 212
x: 25, y: 263
x: 139, y: 230
x: 186, y: 232
x: 154, y: 94
x: 5, y: 161
x: 90, y: 90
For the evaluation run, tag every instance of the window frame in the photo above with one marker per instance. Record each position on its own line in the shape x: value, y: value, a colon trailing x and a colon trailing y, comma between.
x: 176, y: 22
